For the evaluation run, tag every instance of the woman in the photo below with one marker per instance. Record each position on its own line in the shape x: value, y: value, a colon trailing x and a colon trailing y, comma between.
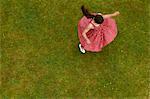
x: 96, y: 30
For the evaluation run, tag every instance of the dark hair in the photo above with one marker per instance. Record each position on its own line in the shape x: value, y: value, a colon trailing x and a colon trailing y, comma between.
x: 97, y: 18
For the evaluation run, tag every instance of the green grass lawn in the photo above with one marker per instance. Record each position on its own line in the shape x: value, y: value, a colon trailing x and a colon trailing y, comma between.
x: 40, y: 58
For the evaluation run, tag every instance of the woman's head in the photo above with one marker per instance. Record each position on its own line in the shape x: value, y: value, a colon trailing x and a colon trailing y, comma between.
x: 97, y: 18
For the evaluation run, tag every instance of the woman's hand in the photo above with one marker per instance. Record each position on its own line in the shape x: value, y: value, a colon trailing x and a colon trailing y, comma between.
x: 88, y: 41
x: 116, y: 13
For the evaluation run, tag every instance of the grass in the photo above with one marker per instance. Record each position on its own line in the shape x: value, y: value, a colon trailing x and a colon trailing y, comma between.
x: 40, y: 58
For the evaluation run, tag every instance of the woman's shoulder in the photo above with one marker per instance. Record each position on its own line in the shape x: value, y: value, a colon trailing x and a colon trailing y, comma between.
x: 90, y: 25
x: 97, y: 13
x: 100, y: 13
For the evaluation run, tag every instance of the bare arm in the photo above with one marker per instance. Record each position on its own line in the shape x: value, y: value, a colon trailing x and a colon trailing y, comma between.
x: 111, y: 15
x: 85, y: 31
